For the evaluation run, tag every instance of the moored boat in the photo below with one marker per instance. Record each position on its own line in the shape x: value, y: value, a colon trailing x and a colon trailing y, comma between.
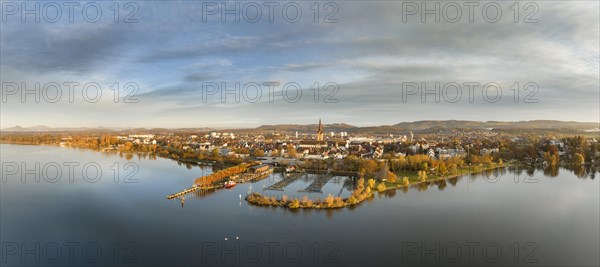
x: 230, y: 184
x: 290, y: 168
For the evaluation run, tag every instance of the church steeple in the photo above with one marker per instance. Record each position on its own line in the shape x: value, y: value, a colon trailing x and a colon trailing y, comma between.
x: 320, y: 131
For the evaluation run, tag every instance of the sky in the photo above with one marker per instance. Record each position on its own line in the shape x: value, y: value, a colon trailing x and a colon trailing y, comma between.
x: 179, y: 64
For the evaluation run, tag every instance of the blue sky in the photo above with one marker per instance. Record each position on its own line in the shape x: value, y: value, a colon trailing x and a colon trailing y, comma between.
x: 369, y: 54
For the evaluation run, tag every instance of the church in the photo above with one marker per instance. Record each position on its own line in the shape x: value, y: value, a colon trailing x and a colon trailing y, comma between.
x: 320, y: 132
x: 318, y: 142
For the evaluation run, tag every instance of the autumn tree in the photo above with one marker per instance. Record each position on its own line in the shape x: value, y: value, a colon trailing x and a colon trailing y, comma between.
x: 258, y: 153
x: 215, y: 153
x: 371, y: 183
x: 291, y: 151
x: 422, y: 176
x: 578, y: 159
x: 381, y: 187
x: 441, y: 169
x: 329, y: 200
x: 392, y: 177
x: 550, y: 158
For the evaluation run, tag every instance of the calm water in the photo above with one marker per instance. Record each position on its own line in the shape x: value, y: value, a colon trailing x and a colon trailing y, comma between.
x: 508, y: 217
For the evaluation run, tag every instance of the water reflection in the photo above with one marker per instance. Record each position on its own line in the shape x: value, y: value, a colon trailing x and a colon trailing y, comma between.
x: 487, y: 207
x: 390, y: 193
x: 551, y: 171
x: 441, y: 185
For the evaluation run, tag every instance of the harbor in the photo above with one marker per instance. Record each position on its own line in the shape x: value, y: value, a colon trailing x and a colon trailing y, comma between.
x: 227, y: 178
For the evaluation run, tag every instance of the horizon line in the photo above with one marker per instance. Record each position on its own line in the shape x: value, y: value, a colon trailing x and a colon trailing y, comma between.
x: 253, y: 127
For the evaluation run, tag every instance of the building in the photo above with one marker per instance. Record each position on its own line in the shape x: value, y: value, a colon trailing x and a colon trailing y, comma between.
x: 259, y: 168
x: 312, y: 144
x: 320, y: 131
x: 431, y: 153
x: 384, y: 173
x: 378, y: 152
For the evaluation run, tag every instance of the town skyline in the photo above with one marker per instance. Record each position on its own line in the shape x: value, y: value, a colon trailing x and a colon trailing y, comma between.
x: 43, y: 127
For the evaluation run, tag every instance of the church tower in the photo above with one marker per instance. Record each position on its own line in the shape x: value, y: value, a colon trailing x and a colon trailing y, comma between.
x: 320, y: 132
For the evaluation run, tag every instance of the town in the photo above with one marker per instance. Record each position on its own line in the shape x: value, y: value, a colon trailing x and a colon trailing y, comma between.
x: 373, y: 160
x: 279, y: 146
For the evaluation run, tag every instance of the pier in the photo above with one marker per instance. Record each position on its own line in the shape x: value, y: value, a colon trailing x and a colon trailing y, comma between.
x: 317, y: 184
x: 216, y: 179
x: 189, y: 191
x: 279, y: 186
x: 252, y: 177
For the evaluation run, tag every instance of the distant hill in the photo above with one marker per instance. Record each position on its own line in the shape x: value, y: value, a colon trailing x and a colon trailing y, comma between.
x: 431, y: 125
x: 420, y: 126
x: 535, y: 124
x: 334, y: 127
x: 42, y: 128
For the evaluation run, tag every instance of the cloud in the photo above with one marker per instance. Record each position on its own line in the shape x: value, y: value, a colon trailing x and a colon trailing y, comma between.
x: 76, y: 48
x: 369, y: 53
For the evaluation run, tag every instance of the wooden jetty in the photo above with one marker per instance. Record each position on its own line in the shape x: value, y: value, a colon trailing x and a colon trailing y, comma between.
x: 191, y: 190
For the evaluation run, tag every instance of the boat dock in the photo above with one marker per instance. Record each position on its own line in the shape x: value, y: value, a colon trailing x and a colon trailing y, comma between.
x: 279, y: 186
x: 317, y: 184
x: 251, y: 177
x: 239, y: 178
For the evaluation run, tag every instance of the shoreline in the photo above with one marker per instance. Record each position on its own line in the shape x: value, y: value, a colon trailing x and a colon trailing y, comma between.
x: 258, y: 199
x: 184, y: 161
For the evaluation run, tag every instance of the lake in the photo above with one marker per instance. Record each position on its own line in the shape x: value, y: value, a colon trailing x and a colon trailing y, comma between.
x: 73, y: 207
